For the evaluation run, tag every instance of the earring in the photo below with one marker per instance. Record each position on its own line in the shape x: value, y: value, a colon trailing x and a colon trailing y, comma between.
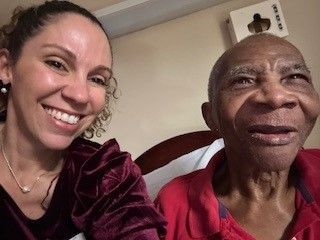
x: 4, y: 88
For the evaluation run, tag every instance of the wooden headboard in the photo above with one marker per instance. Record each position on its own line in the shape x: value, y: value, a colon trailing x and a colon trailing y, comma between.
x: 172, y: 148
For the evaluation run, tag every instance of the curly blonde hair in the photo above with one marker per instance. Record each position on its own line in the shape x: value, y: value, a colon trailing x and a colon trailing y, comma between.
x: 26, y: 23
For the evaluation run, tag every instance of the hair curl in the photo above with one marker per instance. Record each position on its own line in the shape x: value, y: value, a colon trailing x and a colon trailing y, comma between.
x: 26, y: 23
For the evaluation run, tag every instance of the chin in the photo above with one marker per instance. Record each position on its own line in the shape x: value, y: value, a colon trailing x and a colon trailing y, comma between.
x: 57, y: 142
x: 273, y: 159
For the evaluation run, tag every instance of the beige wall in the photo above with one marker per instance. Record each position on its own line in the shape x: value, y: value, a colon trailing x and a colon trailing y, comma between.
x: 163, y: 71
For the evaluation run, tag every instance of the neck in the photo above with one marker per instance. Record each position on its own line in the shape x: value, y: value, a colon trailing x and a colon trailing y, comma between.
x: 257, y: 197
x: 259, y: 185
x: 242, y: 180
x: 27, y: 156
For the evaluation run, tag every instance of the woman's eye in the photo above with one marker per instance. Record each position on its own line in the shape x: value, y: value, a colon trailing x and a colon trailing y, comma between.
x: 98, y: 80
x: 56, y: 64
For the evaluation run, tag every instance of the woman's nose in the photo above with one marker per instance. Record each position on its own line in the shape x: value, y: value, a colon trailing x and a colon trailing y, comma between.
x: 275, y: 95
x: 77, y: 91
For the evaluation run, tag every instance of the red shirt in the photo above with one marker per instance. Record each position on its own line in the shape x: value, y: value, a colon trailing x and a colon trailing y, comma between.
x: 193, y: 211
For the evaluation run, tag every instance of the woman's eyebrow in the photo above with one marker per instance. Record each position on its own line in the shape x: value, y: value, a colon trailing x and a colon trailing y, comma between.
x: 73, y: 56
x: 63, y: 49
x: 103, y: 68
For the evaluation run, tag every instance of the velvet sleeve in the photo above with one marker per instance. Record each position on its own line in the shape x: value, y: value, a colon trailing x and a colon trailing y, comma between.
x: 111, y: 199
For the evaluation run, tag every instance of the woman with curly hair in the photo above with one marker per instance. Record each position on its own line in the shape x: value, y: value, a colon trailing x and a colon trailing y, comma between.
x: 56, y: 86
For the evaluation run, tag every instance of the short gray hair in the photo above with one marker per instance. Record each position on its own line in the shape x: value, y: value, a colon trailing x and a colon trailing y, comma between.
x: 215, y: 75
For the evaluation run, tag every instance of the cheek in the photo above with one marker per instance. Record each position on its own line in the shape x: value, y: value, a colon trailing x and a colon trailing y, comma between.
x: 310, y: 106
x: 229, y: 107
x: 39, y: 80
x: 98, y: 100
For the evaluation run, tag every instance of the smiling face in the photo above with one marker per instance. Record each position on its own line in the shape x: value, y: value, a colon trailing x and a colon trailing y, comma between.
x: 58, y: 81
x: 265, y: 102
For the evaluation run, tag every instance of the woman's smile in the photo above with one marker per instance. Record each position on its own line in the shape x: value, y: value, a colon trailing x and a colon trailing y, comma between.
x: 62, y: 115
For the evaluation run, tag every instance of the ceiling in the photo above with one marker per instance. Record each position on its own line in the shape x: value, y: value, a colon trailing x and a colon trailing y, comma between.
x: 92, y: 5
x: 120, y: 17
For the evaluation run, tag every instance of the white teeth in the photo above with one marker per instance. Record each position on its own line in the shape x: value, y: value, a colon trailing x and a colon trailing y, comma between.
x: 58, y: 115
x: 65, y: 117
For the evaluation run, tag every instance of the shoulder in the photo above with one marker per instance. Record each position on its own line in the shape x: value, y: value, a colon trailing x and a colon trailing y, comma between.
x: 92, y: 154
x: 308, y: 163
x: 172, y: 202
x: 188, y: 202
x: 173, y: 197
x: 92, y: 167
x: 194, y: 183
x: 314, y: 152
x: 111, y: 197
x: 109, y: 190
x: 87, y: 147
x: 101, y: 161
x: 308, y: 159
x: 177, y: 185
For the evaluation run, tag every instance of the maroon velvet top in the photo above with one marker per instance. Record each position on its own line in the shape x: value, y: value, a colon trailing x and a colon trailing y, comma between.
x: 100, y: 192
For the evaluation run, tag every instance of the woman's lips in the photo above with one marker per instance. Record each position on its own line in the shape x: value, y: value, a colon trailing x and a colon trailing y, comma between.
x: 273, y: 135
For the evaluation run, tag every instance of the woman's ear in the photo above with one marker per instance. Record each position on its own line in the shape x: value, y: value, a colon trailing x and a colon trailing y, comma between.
x: 208, y: 116
x: 5, y: 66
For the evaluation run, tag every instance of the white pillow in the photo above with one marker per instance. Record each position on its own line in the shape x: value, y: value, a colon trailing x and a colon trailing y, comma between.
x: 187, y: 163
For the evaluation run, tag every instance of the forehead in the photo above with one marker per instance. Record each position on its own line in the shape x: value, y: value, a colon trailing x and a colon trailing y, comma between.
x: 76, y: 33
x: 263, y: 51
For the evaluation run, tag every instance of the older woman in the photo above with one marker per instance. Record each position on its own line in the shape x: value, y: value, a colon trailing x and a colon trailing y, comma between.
x: 263, y: 185
x: 55, y: 69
